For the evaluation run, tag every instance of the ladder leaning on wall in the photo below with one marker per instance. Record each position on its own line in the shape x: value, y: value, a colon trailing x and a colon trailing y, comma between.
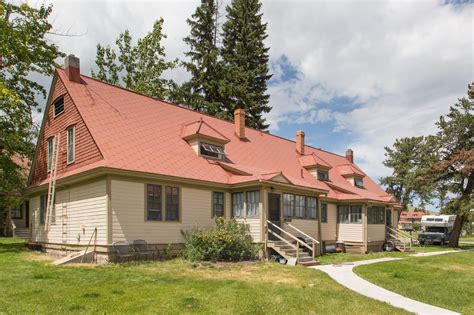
x: 52, y: 182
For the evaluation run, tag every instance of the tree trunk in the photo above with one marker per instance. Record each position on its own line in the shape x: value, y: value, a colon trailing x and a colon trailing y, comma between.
x: 456, y: 233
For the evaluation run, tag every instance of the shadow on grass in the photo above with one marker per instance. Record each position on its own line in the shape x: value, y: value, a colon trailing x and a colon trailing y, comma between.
x: 12, y: 247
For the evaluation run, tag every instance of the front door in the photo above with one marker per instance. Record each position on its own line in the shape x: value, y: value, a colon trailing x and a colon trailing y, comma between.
x: 274, y: 213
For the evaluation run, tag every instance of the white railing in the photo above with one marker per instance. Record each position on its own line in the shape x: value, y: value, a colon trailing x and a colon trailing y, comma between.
x: 298, y: 241
x: 402, y: 237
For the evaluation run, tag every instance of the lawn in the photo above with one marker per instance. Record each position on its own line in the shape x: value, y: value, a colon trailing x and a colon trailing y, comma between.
x: 445, y: 280
x: 469, y: 238
x: 31, y: 284
x: 337, y: 258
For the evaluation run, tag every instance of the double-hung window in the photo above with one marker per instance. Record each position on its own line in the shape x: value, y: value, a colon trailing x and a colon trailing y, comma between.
x: 288, y: 205
x: 238, y: 205
x: 349, y: 214
x: 153, y: 203
x: 71, y: 144
x: 42, y: 208
x: 300, y: 206
x: 376, y: 215
x: 356, y: 214
x: 311, y: 207
x: 217, y: 204
x: 50, y: 153
x: 253, y: 203
x: 16, y: 212
x: 324, y: 213
x: 172, y: 203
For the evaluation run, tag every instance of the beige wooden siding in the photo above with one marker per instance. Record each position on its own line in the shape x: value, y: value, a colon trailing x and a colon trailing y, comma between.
x: 81, y: 208
x: 350, y: 232
x: 375, y: 232
x: 309, y: 227
x: 128, y: 214
x: 394, y: 218
x: 255, y: 228
x: 329, y: 229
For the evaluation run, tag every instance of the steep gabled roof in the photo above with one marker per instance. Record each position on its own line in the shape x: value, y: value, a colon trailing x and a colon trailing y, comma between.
x: 138, y: 133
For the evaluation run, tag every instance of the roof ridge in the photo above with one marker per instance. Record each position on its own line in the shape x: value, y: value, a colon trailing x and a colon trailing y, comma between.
x: 182, y: 106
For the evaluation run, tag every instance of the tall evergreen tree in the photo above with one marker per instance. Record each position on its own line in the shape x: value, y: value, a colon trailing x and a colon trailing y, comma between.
x: 140, y: 65
x: 245, y: 58
x: 201, y: 92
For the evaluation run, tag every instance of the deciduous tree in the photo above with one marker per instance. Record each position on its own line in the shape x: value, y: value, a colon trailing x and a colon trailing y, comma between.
x: 137, y: 67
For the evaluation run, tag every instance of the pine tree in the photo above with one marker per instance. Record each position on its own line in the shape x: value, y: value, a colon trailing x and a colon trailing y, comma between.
x: 142, y: 65
x: 201, y: 92
x: 245, y: 58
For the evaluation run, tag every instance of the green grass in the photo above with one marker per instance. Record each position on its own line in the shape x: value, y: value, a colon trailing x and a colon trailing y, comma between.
x: 337, y: 258
x: 469, y: 238
x: 445, y: 280
x: 31, y: 284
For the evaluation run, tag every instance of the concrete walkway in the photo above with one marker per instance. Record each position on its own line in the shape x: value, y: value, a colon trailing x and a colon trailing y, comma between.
x: 344, y: 275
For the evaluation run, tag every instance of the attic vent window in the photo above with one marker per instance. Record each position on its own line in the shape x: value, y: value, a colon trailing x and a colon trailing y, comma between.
x: 58, y: 106
x: 359, y: 182
x: 323, y: 175
x: 213, y: 151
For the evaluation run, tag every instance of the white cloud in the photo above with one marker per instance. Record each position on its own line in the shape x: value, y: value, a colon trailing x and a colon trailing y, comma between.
x: 403, y: 62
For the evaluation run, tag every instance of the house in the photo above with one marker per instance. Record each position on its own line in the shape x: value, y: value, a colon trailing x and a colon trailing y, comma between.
x: 408, y: 218
x: 135, y: 167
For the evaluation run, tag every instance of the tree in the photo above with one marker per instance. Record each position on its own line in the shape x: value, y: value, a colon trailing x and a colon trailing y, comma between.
x: 410, y: 160
x: 245, y: 59
x: 202, y: 91
x: 24, y: 50
x: 138, y: 67
x: 456, y: 164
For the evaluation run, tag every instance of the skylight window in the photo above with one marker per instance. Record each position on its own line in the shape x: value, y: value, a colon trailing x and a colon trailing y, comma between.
x: 58, y: 106
x: 213, y: 151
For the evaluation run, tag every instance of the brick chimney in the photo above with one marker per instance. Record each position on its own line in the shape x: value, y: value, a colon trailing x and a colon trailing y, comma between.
x: 300, y: 142
x: 73, y: 69
x: 239, y: 122
x: 350, y: 155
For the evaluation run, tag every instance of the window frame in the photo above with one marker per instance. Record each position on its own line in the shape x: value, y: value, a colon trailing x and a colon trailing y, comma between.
x: 257, y: 204
x: 168, y: 204
x: 361, y: 184
x: 160, y: 203
x: 233, y: 204
x: 326, y: 177
x: 324, y: 213
x: 43, y: 204
x: 73, y: 128
x: 316, y: 208
x: 15, y: 210
x: 220, y: 156
x: 376, y: 215
x: 59, y: 98
x: 346, y: 213
x: 49, y: 153
x: 291, y: 204
x: 297, y: 207
x: 213, y: 214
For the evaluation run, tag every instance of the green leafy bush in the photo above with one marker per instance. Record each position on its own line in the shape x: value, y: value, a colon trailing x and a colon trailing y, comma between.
x: 227, y: 241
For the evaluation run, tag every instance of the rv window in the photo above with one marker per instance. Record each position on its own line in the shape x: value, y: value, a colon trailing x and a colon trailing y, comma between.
x: 438, y: 219
x: 429, y: 219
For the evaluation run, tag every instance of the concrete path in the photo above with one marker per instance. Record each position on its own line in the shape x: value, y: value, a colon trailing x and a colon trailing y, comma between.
x: 467, y: 242
x: 437, y: 253
x: 345, y: 276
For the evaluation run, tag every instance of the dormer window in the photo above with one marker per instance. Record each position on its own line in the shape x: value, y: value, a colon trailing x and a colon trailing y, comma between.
x: 359, y: 182
x: 323, y: 175
x: 58, y: 106
x: 212, y: 151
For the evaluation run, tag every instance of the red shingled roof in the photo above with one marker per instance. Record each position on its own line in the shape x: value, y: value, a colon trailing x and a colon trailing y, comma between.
x: 139, y: 133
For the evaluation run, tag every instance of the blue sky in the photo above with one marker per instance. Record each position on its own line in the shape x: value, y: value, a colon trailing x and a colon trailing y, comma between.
x: 351, y: 74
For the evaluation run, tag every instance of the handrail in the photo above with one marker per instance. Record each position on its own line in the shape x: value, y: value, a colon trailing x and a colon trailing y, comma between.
x: 90, y: 240
x: 13, y: 227
x: 292, y: 236
x: 282, y: 239
x: 301, y: 232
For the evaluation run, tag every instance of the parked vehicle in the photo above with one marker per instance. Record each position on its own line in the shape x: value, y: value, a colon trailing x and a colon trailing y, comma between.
x: 436, y: 229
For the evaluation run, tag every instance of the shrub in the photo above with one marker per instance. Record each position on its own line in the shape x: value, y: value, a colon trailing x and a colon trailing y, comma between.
x: 227, y: 241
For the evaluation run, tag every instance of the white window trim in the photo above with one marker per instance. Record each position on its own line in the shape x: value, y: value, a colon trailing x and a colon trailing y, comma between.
x: 213, y: 148
x: 73, y: 128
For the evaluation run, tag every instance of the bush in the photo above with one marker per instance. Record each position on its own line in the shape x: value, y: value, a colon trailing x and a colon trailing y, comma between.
x: 227, y: 241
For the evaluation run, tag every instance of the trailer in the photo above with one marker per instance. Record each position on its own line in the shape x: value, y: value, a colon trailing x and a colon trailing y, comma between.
x: 436, y: 229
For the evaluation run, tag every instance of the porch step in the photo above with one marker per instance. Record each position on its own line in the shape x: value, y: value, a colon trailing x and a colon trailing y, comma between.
x: 22, y: 233
x: 288, y: 252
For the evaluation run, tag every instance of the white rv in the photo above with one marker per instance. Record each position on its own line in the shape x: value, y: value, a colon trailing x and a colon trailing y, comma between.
x: 436, y: 229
